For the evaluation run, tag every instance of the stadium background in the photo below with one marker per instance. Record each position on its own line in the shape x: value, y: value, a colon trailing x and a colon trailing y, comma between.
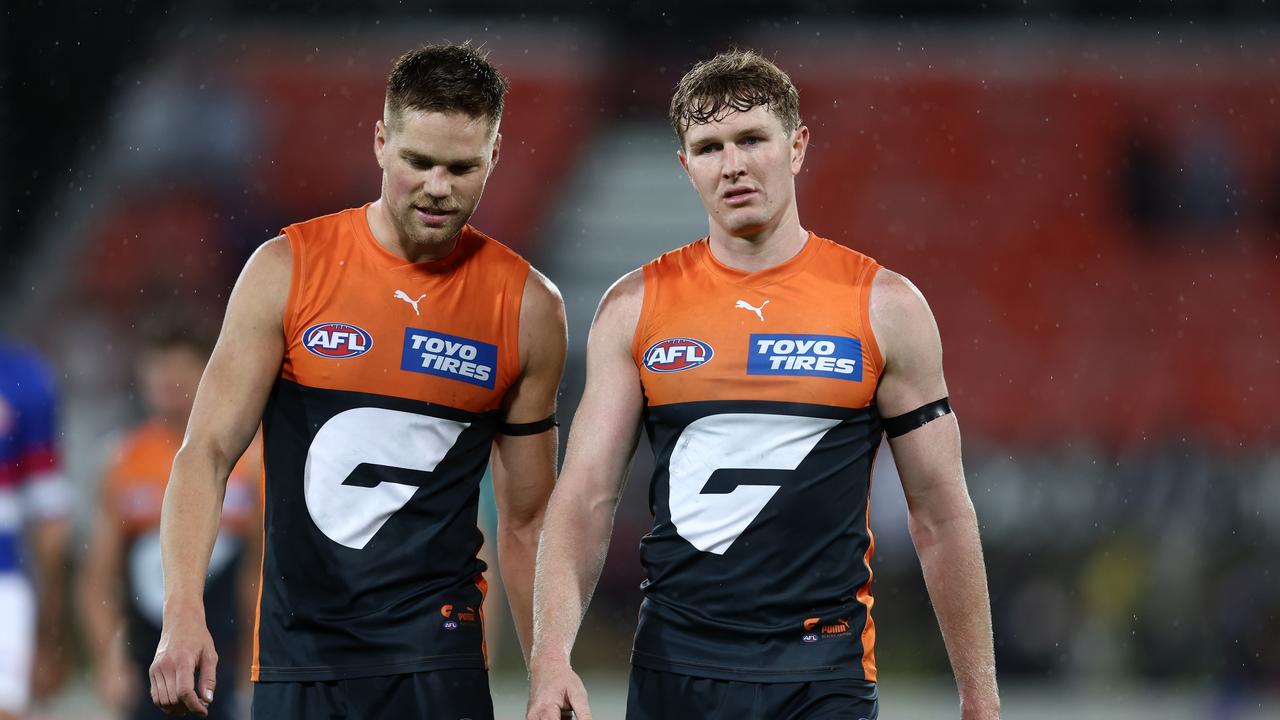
x: 1088, y: 193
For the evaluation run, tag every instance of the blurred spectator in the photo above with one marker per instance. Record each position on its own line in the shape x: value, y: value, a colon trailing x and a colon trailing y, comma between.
x: 121, y: 586
x: 33, y: 507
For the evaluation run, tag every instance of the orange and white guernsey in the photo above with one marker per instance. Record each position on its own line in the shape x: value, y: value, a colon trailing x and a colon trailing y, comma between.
x: 133, y: 488
x: 759, y: 391
x: 376, y: 437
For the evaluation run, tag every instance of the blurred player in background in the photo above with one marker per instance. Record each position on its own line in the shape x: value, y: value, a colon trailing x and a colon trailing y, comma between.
x: 121, y: 594
x: 34, y: 502
x: 395, y: 350
x: 765, y: 362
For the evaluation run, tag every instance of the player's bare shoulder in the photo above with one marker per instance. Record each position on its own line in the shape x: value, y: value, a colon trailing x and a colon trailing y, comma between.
x: 271, y: 263
x: 543, y: 333
x: 900, y: 317
x: 622, y: 302
x: 542, y: 299
x: 262, y: 290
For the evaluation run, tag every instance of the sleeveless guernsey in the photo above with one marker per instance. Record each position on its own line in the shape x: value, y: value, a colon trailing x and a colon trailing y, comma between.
x: 758, y: 391
x: 376, y: 436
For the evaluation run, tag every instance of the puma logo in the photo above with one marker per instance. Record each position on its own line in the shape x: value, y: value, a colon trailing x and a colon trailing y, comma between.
x: 759, y: 311
x: 402, y: 295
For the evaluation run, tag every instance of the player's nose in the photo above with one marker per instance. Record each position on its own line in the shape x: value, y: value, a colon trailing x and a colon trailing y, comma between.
x: 734, y: 162
x: 436, y: 183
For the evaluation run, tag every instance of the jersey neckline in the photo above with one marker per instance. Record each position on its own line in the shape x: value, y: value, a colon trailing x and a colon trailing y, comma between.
x: 360, y: 224
x: 759, y: 278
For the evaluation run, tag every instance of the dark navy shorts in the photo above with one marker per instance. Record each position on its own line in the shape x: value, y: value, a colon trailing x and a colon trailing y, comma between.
x: 432, y: 695
x: 657, y: 695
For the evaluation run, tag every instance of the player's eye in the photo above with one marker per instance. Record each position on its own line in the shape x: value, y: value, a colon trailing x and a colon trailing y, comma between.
x: 461, y: 169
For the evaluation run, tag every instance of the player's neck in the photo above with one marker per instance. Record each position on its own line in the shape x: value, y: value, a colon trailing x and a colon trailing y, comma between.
x: 387, y: 234
x: 756, y: 251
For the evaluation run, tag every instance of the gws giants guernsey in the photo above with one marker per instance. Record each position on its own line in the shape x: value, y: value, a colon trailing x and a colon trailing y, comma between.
x: 758, y: 391
x: 376, y: 435
x: 134, y: 488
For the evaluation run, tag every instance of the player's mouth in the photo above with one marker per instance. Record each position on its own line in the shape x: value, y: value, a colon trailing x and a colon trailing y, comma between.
x: 434, y: 216
x: 739, y: 196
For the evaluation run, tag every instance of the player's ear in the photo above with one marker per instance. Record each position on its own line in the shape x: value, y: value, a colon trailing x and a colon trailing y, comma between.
x: 379, y: 142
x: 684, y: 163
x: 497, y: 145
x: 799, y: 144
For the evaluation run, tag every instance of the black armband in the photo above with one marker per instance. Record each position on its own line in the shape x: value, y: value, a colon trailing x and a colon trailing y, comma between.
x: 533, y: 428
x: 923, y: 415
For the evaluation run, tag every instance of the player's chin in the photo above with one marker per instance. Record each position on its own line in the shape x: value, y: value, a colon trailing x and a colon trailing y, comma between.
x: 744, y: 225
x: 437, y: 234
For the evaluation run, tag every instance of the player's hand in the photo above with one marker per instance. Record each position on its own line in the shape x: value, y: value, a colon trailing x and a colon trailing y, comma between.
x: 186, y: 649
x: 557, y: 693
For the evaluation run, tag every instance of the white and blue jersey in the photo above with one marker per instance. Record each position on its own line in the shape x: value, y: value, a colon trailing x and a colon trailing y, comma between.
x: 30, y: 482
x: 31, y: 489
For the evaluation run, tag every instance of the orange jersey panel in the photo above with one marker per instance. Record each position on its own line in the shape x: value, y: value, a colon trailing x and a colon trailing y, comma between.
x: 139, y: 473
x: 358, y: 316
x: 822, y: 292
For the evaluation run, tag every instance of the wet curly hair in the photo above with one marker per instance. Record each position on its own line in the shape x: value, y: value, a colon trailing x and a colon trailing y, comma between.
x: 735, y: 80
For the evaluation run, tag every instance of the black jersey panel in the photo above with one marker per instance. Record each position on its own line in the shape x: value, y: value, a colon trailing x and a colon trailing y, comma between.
x: 759, y: 543
x: 370, y: 561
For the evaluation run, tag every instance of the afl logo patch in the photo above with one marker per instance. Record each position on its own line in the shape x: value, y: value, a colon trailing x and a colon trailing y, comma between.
x: 676, y: 354
x: 336, y: 340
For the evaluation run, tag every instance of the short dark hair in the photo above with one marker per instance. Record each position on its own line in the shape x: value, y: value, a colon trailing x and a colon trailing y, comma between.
x: 446, y: 78
x: 734, y: 80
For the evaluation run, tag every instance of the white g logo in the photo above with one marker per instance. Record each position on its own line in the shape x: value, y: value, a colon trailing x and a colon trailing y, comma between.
x: 351, y: 515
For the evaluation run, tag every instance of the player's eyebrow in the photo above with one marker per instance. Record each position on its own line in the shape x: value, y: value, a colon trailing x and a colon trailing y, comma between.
x: 751, y: 130
x: 415, y: 156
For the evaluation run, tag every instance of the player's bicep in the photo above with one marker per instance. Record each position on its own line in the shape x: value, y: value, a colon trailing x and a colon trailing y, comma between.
x: 606, y: 426
x: 542, y: 353
x: 525, y: 448
x: 908, y: 336
x: 246, y: 358
x: 928, y: 455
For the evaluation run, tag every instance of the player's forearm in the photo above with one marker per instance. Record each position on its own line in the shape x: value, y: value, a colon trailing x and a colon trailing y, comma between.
x: 189, y: 525
x: 571, y: 555
x: 951, y: 557
x: 50, y: 538
x: 99, y: 613
x: 517, y: 553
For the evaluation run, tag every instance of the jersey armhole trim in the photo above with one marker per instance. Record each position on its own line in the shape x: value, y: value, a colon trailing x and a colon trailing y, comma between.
x: 866, y: 282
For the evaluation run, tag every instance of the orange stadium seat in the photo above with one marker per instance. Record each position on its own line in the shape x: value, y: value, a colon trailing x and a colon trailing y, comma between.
x: 996, y: 194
